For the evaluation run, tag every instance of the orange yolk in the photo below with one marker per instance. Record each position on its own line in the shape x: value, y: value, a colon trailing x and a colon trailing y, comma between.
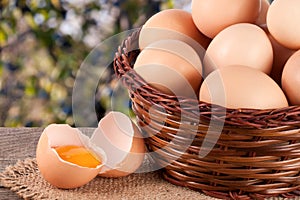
x: 77, y: 155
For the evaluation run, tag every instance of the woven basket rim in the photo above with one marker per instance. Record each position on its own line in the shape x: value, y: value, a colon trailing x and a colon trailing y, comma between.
x: 256, y: 155
x: 240, y: 117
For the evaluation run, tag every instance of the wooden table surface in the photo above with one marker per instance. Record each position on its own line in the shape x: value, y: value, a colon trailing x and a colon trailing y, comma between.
x: 18, y: 144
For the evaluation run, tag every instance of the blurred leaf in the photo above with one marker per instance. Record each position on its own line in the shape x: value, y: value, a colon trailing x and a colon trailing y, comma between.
x: 45, y: 84
x: 168, y: 4
x: 17, y: 14
x: 56, y: 4
x: 45, y: 13
x: 7, y: 28
x: 4, y: 3
x: 3, y: 38
x: 1, y: 69
x: 33, y: 4
x: 133, y: 7
x: 30, y: 21
x: 48, y: 58
x: 13, y: 123
x: 30, y: 87
x: 45, y: 36
x: 30, y: 91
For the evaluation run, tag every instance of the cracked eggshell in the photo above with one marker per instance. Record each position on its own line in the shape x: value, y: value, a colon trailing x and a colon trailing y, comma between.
x: 122, y: 142
x: 57, y: 171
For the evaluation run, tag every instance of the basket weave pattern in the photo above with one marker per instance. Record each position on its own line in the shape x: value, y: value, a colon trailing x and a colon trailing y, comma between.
x: 257, y: 154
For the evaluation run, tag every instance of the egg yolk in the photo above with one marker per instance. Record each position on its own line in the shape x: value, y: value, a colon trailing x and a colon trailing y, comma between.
x: 77, y: 155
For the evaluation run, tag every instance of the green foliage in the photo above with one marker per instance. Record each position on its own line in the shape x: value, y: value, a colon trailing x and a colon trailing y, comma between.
x: 43, y: 43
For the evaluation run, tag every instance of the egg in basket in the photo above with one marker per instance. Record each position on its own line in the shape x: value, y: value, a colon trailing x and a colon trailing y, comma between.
x: 205, y: 95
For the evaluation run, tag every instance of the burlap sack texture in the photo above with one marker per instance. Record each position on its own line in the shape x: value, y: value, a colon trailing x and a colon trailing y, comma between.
x: 24, y: 179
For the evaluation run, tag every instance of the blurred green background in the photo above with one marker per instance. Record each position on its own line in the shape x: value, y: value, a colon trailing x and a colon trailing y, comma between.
x: 44, y: 42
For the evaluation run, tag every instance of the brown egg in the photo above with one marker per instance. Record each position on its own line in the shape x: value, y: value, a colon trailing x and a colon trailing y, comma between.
x: 242, y: 87
x: 291, y: 78
x: 262, y: 18
x: 240, y: 44
x: 280, y: 55
x: 171, y: 66
x: 212, y: 16
x: 283, y: 22
x: 172, y: 24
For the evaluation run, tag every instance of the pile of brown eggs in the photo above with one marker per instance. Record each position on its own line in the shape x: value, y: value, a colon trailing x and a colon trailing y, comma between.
x: 234, y: 53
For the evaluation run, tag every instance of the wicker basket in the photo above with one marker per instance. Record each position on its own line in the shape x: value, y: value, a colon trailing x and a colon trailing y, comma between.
x: 257, y: 154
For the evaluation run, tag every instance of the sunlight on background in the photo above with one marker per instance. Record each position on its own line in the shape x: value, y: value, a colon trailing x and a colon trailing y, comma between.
x: 42, y: 45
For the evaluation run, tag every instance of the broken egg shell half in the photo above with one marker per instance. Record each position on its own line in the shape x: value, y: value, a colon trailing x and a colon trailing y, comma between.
x: 117, y: 143
x: 57, y: 171
x: 122, y: 142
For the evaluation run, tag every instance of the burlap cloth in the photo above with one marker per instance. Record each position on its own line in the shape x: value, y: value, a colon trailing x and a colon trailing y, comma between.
x: 24, y: 179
